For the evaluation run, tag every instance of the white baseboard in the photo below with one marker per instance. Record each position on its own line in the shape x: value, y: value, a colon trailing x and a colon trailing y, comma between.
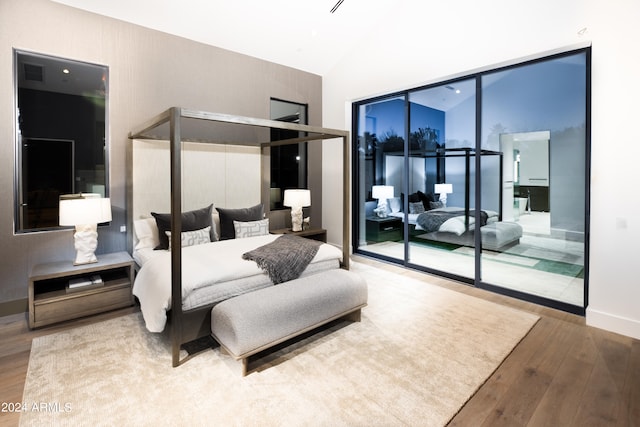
x: 613, y: 323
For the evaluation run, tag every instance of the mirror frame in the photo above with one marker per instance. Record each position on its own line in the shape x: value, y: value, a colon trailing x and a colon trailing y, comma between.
x: 18, y: 224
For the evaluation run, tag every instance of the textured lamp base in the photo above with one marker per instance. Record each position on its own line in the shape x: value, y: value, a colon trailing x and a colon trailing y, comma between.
x: 85, y: 241
x: 296, y: 219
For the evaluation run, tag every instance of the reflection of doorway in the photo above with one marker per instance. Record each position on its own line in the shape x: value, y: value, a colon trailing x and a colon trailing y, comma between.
x: 47, y: 172
x: 526, y: 184
x: 288, y: 162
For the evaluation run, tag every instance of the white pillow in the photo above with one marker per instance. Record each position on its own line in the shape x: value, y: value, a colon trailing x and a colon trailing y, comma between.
x: 394, y: 204
x: 192, y: 238
x: 146, y: 232
x: 215, y: 221
x: 251, y: 228
x: 454, y: 225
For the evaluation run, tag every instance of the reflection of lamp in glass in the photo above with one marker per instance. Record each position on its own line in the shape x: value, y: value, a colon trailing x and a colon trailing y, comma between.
x: 382, y: 193
x: 296, y: 200
x: 443, y: 190
x: 84, y: 211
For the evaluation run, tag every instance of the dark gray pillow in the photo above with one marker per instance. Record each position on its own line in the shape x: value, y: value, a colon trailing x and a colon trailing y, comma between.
x: 227, y: 216
x: 192, y: 220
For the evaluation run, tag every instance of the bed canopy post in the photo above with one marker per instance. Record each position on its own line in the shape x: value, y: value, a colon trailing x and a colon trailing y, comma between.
x: 176, y: 245
x: 346, y: 200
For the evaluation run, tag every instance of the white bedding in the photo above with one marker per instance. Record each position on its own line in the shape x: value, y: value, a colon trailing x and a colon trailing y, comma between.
x: 205, y: 266
x: 454, y: 225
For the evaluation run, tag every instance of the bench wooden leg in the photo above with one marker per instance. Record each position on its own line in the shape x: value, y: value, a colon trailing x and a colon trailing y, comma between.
x: 245, y: 366
x: 355, y: 316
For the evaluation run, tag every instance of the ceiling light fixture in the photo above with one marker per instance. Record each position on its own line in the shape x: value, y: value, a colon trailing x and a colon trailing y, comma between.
x: 337, y: 5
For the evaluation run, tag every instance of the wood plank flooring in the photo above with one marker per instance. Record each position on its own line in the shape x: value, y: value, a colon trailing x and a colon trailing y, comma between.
x: 563, y: 373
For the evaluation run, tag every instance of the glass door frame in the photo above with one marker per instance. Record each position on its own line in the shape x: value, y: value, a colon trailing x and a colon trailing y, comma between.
x: 477, y: 280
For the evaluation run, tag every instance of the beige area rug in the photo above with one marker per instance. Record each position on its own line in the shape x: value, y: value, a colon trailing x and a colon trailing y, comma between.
x: 419, y: 353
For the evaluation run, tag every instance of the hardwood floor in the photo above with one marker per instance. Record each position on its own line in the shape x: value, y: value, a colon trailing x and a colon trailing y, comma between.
x: 563, y: 373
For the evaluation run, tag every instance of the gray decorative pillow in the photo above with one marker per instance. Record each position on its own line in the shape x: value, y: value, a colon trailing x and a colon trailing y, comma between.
x: 192, y: 220
x: 416, y: 208
x: 251, y: 228
x: 436, y: 205
x: 227, y: 216
x: 192, y: 238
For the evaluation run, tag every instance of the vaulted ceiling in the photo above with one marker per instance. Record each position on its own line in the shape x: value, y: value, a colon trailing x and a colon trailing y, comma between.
x: 305, y: 35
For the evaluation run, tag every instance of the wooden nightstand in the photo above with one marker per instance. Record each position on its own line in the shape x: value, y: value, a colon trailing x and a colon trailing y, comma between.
x: 51, y: 301
x: 383, y: 229
x: 319, y: 234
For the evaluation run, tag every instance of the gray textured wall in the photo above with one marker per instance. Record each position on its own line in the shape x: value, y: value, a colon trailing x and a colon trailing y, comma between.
x: 149, y: 71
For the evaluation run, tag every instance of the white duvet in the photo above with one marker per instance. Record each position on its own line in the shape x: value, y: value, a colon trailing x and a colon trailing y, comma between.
x: 202, y: 265
x: 454, y: 225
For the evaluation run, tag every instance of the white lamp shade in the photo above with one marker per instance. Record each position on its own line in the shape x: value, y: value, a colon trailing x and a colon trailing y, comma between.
x: 383, y: 192
x: 443, y: 188
x: 297, y: 198
x: 85, y: 211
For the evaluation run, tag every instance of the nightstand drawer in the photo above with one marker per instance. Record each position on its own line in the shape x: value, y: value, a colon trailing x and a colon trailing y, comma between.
x: 79, y: 304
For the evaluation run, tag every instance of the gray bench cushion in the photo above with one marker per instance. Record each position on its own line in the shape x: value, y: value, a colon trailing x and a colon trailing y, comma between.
x: 498, y: 234
x: 256, y: 320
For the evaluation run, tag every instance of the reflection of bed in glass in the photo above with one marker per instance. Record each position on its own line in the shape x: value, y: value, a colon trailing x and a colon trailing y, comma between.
x: 457, y: 224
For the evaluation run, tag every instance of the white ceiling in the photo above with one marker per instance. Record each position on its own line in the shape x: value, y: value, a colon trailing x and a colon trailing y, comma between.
x: 298, y: 33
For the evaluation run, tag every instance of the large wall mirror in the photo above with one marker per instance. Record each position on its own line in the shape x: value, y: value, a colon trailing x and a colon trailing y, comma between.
x: 288, y: 162
x: 61, y: 135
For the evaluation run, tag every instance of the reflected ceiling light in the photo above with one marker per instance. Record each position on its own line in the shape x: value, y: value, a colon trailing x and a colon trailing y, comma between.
x: 66, y: 71
x: 452, y: 88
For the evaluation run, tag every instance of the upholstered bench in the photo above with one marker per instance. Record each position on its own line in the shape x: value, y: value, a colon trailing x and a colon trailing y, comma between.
x: 500, y: 235
x: 255, y: 321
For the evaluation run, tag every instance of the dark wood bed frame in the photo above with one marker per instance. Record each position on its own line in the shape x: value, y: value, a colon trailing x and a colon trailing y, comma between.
x: 178, y: 125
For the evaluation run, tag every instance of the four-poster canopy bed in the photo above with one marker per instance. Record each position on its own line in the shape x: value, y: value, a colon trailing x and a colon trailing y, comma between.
x: 178, y: 126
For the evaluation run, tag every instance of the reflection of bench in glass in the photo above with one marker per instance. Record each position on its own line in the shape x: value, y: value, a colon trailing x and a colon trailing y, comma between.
x: 500, y: 235
x: 496, y: 236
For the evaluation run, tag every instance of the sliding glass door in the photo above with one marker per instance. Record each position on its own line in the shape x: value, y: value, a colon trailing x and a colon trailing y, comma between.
x: 483, y: 179
x: 441, y: 176
x: 536, y: 116
x: 380, y: 160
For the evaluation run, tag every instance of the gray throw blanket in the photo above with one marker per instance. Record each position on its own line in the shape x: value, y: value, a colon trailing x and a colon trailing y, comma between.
x: 285, y: 258
x: 432, y: 220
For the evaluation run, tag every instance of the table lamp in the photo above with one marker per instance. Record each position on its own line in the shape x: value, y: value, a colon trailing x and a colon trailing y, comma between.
x: 85, y: 212
x: 382, y: 193
x: 443, y: 190
x: 296, y: 200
